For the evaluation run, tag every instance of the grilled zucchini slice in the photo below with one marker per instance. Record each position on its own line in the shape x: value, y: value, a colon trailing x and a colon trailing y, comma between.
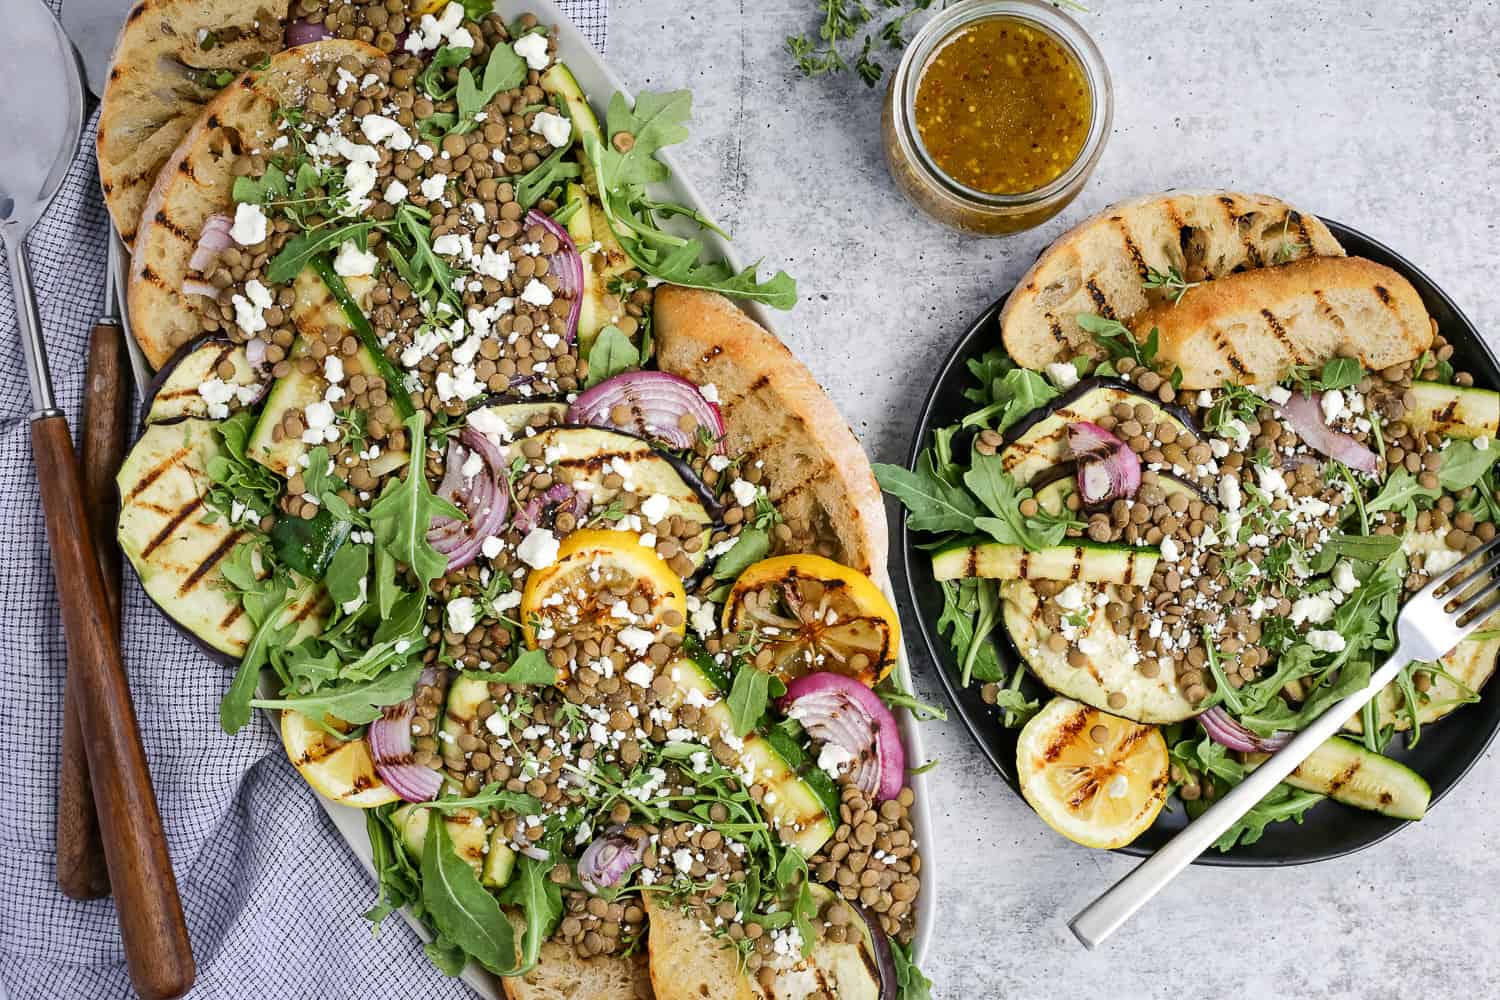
x: 1454, y: 410
x: 1091, y: 562
x: 1346, y: 772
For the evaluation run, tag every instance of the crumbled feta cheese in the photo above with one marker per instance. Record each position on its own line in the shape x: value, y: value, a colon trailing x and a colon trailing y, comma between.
x: 1063, y: 374
x: 538, y: 549
x: 1332, y: 404
x: 1326, y: 641
x: 249, y: 225
x: 248, y: 308
x: 449, y: 245
x: 1440, y: 560
x: 351, y: 261
x: 1482, y: 443
x: 506, y: 601
x: 430, y: 32
x: 535, y: 292
x: 709, y: 391
x: 333, y: 368
x: 640, y: 674
x: 1170, y: 551
x: 380, y: 129
x: 1315, y: 608
x: 1071, y: 598
x: 1344, y: 578
x: 655, y: 507
x: 396, y: 192
x: 834, y: 759
x: 495, y: 265
x: 1235, y: 431
x: 532, y: 48
x: 433, y: 187
x: 1271, y: 480
x: 1229, y: 493
x: 556, y: 129
x: 637, y: 640
x: 1205, y: 398
x: 744, y: 493
x: 1278, y: 394
x: 217, y: 393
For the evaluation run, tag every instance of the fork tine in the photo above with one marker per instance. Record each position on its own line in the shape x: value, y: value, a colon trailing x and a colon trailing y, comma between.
x: 1450, y: 573
x: 1469, y: 604
x: 1482, y: 616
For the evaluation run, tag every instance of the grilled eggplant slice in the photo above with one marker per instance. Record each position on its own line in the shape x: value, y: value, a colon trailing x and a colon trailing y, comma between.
x: 1111, y: 667
x: 504, y: 418
x: 582, y: 456
x: 1454, y: 410
x: 176, y: 544
x: 1052, y: 489
x: 175, y: 392
x: 1040, y: 441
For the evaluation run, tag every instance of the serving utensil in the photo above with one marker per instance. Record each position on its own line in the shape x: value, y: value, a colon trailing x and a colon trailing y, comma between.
x: 92, y: 26
x: 1426, y: 630
x: 41, y: 104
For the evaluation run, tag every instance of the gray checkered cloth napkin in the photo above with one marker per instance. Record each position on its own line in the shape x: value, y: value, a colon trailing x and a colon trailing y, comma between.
x: 272, y: 895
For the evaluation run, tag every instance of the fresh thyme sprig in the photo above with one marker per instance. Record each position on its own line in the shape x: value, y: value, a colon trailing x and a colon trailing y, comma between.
x: 1172, y: 281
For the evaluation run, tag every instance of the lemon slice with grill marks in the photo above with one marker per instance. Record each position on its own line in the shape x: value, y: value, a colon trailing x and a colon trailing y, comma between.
x: 1097, y: 779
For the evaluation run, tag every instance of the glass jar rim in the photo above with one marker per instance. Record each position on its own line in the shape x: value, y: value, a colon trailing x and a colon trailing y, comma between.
x: 949, y: 22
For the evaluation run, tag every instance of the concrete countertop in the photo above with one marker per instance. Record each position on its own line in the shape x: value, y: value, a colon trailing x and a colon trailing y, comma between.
x: 1382, y: 115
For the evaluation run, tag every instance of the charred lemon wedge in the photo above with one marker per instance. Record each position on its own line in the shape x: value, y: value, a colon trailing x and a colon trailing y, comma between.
x: 1096, y: 779
x: 341, y: 770
x: 808, y: 613
x: 603, y: 584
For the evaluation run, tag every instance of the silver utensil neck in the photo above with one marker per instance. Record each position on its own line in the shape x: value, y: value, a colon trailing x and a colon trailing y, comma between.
x: 110, y: 310
x: 30, y: 322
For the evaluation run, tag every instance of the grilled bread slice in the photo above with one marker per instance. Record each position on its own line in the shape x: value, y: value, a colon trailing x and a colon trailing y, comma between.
x: 169, y: 61
x: 776, y: 413
x: 1252, y: 327
x: 197, y: 182
x: 1100, y: 266
x: 688, y: 962
x: 560, y: 974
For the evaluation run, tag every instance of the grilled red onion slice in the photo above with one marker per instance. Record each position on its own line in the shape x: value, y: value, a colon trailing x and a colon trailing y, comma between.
x: 197, y: 286
x: 213, y: 239
x: 1108, y: 468
x: 606, y: 861
x: 567, y: 264
x: 560, y: 497
x: 389, y: 740
x: 652, y: 405
x: 303, y: 32
x: 839, y: 711
x: 485, y: 498
x: 1222, y: 729
x: 255, y: 352
x: 1305, y: 414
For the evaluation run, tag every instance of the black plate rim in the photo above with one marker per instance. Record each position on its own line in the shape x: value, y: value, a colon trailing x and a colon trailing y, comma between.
x: 936, y: 647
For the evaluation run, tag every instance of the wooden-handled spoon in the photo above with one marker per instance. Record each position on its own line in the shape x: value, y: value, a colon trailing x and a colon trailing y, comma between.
x: 41, y: 98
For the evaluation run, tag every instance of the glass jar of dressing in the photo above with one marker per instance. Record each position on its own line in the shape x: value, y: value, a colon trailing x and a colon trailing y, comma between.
x: 996, y: 115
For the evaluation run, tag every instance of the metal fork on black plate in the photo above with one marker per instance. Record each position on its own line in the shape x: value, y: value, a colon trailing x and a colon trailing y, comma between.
x: 1427, y: 629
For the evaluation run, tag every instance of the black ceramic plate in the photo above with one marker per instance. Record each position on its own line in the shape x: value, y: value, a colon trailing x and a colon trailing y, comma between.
x: 1446, y: 750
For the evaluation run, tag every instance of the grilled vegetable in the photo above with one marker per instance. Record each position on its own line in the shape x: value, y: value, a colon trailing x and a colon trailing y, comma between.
x: 1096, y: 779
x: 797, y: 811
x: 175, y: 392
x: 465, y: 695
x: 1110, y: 679
x: 1092, y: 562
x: 1466, y: 669
x: 1040, y: 441
x: 1054, y: 488
x: 341, y: 770
x: 177, y: 544
x: 1454, y: 410
x: 1346, y: 772
x: 583, y: 587
x: 585, y: 455
x: 502, y: 420
x: 472, y: 839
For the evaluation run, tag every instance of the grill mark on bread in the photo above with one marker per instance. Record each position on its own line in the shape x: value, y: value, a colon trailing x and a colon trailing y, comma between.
x: 209, y: 562
x: 1303, y: 236
x: 172, y: 525
x: 1100, y: 302
x: 1056, y: 330
x: 1383, y: 295
x: 165, y: 221
x: 1279, y: 332
x: 1235, y: 361
x: 1130, y: 247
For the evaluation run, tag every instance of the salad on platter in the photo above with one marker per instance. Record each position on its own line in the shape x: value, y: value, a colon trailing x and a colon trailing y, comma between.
x: 1209, y: 460
x: 541, y: 551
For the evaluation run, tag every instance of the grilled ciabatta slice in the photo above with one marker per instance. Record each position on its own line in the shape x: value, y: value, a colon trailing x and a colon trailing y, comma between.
x: 780, y: 419
x: 560, y: 974
x: 170, y: 60
x: 1252, y: 327
x: 198, y: 181
x: 687, y: 961
x: 1100, y: 266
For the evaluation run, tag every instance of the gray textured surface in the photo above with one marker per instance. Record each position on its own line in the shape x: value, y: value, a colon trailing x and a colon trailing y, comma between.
x: 1383, y: 115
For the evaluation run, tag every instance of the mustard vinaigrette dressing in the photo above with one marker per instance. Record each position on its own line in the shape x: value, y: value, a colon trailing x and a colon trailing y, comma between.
x: 1003, y: 107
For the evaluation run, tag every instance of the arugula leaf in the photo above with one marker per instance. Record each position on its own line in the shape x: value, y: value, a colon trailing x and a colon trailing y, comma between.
x: 405, y: 509
x: 751, y: 547
x: 427, y: 273
x: 748, y: 697
x: 448, y: 957
x: 988, y: 480
x: 345, y: 577
x: 932, y: 503
x: 611, y: 354
x: 655, y: 121
x: 398, y: 881
x: 445, y: 58
x: 1341, y: 373
x: 910, y: 982
x: 355, y: 703
x: 891, y: 692
x: 491, y: 796
x: 1281, y: 803
x: 237, y: 478
x: 461, y: 909
x: 1016, y: 393
x: 531, y: 667
x: 545, y: 176
x: 1116, y: 339
x: 540, y: 900
x: 1464, y: 465
x: 1400, y: 493
x: 265, y: 602
x: 308, y: 665
x: 505, y: 70
x: 268, y: 187
x: 302, y: 248
x: 969, y: 616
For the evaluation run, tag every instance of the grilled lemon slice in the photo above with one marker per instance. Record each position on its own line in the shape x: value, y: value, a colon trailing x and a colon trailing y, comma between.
x: 1096, y: 779
x: 596, y: 588
x: 341, y: 770
x: 809, y: 614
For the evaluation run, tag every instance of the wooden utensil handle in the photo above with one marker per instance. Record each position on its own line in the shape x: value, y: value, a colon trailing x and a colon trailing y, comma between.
x: 81, y: 871
x: 157, y: 950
